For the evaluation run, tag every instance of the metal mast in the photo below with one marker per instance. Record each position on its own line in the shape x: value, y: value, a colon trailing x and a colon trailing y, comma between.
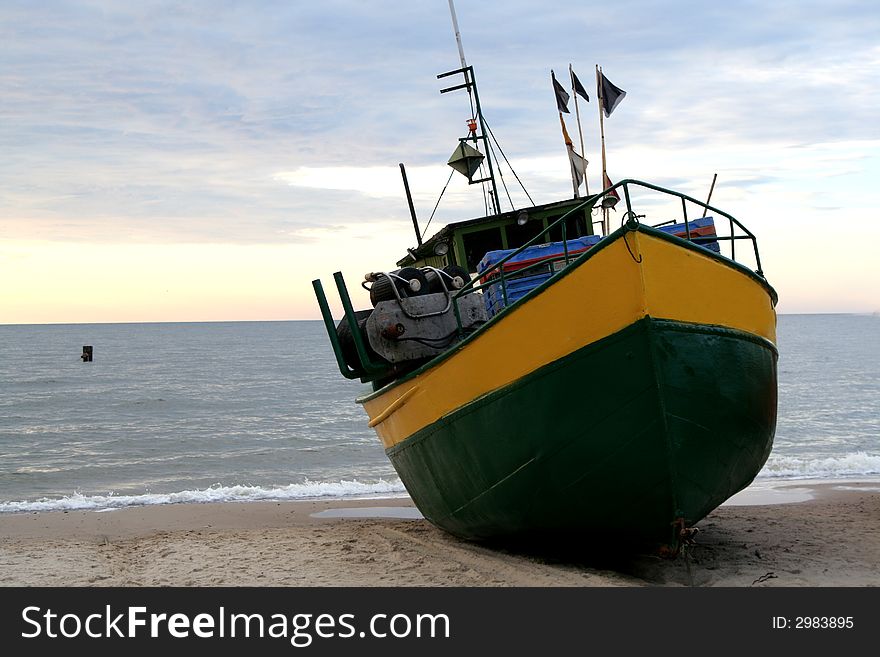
x: 457, y: 34
x: 478, y: 132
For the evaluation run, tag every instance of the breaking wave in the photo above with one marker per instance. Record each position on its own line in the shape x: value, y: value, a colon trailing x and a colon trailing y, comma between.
x: 850, y: 465
x: 307, y: 490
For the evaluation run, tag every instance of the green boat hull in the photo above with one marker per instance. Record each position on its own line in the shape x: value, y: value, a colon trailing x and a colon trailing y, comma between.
x: 634, y: 436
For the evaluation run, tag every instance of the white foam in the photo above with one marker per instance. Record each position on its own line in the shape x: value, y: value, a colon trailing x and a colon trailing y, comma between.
x: 853, y: 465
x: 307, y: 490
x: 850, y: 465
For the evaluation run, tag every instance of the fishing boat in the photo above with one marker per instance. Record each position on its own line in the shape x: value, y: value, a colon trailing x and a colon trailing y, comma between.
x: 536, y: 373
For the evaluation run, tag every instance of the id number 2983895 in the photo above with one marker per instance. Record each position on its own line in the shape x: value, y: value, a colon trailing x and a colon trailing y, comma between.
x: 813, y: 623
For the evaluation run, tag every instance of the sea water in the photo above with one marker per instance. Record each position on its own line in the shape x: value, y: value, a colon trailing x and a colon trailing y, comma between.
x: 238, y: 411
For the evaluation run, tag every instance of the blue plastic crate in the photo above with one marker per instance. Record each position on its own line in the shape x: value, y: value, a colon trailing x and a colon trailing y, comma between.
x: 536, y: 253
x: 702, y: 231
x: 515, y: 289
x: 526, y: 270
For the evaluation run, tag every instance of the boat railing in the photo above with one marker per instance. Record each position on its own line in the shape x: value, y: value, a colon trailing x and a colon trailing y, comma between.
x: 370, y: 369
x: 733, y: 223
x: 495, y: 274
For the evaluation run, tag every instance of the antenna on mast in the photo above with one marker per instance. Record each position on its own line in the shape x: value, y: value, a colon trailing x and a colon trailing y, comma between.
x: 466, y: 159
x: 457, y: 34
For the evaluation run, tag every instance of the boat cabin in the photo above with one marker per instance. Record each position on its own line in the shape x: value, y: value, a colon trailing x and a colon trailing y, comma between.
x: 464, y: 243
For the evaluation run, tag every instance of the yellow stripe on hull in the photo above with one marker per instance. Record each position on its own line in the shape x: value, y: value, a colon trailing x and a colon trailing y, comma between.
x: 604, y: 293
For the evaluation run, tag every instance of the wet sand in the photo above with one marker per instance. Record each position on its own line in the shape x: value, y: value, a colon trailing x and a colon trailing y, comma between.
x: 830, y: 539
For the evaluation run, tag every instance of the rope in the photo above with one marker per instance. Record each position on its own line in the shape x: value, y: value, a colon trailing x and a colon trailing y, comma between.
x: 501, y: 175
x: 425, y: 231
x: 632, y: 225
x: 500, y: 150
x: 687, y: 564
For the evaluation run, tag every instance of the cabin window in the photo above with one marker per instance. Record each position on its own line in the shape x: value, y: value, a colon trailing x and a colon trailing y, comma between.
x: 478, y: 243
x: 518, y: 235
x: 574, y: 227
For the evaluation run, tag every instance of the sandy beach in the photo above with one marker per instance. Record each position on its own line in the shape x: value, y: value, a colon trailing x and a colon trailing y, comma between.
x: 830, y: 539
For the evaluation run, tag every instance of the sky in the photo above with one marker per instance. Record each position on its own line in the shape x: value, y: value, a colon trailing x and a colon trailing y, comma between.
x: 204, y: 161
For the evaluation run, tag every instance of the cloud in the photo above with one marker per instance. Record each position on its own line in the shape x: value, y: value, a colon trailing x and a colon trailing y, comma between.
x: 379, y: 182
x: 242, y: 122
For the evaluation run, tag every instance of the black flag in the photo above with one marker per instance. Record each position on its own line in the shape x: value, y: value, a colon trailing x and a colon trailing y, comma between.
x: 561, y: 95
x: 578, y: 87
x: 610, y: 94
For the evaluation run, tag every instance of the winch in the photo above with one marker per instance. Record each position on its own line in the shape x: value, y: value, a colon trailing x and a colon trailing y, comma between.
x: 415, y: 316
